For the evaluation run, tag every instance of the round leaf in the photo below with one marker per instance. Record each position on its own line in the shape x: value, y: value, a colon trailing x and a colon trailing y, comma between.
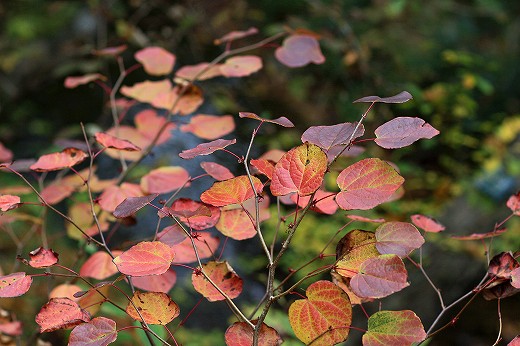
x: 156, y: 60
x: 209, y: 127
x: 399, y: 238
x: 145, y: 258
x: 164, y: 179
x: 299, y: 50
x: 403, y: 131
x: 154, y: 307
x: 241, y: 66
x: 394, y: 328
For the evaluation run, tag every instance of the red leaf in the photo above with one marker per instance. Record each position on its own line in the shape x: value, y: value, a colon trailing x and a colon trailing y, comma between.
x: 399, y: 238
x: 299, y: 50
x: 402, y: 97
x: 403, y: 131
x: 156, y: 283
x: 206, y: 148
x: 153, y: 308
x: 6, y: 155
x: 73, y: 82
x: 513, y: 203
x: 99, y: 266
x: 223, y: 276
x: 323, y: 318
x: 380, y: 277
x: 42, y: 258
x: 235, y: 35
x: 100, y: 331
x: 165, y: 179
x: 206, y: 245
x: 189, y: 211
x: 145, y: 258
x: 394, y: 328
x: 209, y: 127
x: 327, y: 137
x: 56, y: 161
x: 216, y: 171
x: 300, y: 170
x: 132, y: 205
x: 427, y: 223
x: 14, y: 285
x: 109, y: 141
x: 366, y: 184
x: 241, y: 66
x: 502, y: 265
x: 156, y: 60
x: 8, y: 202
x: 115, y: 195
x: 199, y: 72
x: 282, y: 121
x: 264, y: 166
x: 232, y: 191
x: 241, y: 334
x: 60, y: 313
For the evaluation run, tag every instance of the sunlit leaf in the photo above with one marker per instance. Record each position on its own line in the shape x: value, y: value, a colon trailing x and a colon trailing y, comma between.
x: 60, y: 313
x: 131, y: 205
x: 399, y: 238
x: 264, y: 166
x: 42, y: 258
x: 206, y: 148
x: 199, y: 72
x: 153, y: 307
x: 282, y: 121
x: 186, y: 99
x: 241, y: 334
x: 109, y: 141
x: 92, y: 300
x: 366, y: 184
x: 156, y: 283
x: 235, y: 35
x: 14, y: 285
x: 115, y: 195
x: 164, y: 179
x: 402, y: 97
x: 209, y: 127
x: 299, y: 50
x: 217, y: 171
x: 8, y: 202
x: 52, y: 162
x: 147, y: 91
x: 206, y: 245
x: 232, y: 191
x: 323, y: 318
x: 300, y: 170
x: 379, y: 277
x: 145, y: 258
x: 394, y: 328
x: 223, y: 276
x: 75, y: 81
x: 241, y: 66
x: 403, y: 131
x: 353, y: 249
x: 100, y: 331
x: 327, y: 137
x: 156, y: 61
x: 99, y: 265
x: 427, y: 223
x: 235, y: 222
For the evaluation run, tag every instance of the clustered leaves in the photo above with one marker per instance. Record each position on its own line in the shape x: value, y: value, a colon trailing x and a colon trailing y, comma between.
x: 369, y: 264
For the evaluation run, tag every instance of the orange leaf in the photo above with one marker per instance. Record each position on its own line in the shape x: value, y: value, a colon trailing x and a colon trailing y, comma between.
x: 241, y: 334
x: 99, y: 266
x: 145, y: 258
x: 232, y: 191
x: 209, y: 127
x: 235, y: 223
x: 323, y: 318
x: 300, y: 170
x: 186, y: 100
x: 65, y: 291
x: 223, y: 276
x: 266, y: 167
x: 165, y: 179
x: 156, y: 60
x: 56, y: 161
x: 183, y: 207
x: 60, y: 313
x: 154, y: 307
x: 147, y: 91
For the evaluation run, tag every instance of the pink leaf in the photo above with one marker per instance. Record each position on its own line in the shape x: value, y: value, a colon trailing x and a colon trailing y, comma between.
x: 209, y: 127
x: 427, y: 223
x: 323, y: 202
x: 380, y: 277
x: 216, y: 171
x: 513, y: 203
x: 364, y: 219
x: 100, y: 331
x: 282, y: 121
x: 131, y: 205
x: 366, y: 184
x: 145, y: 258
x: 73, y: 82
x: 205, y: 243
x: 56, y: 192
x: 241, y: 334
x: 8, y: 202
x: 110, y: 51
x: 480, y: 236
x: 299, y: 50
x: 235, y: 35
x: 14, y: 285
x: 115, y: 195
x: 399, y: 238
x: 60, y: 313
x: 109, y: 141
x: 241, y: 66
x: 156, y: 283
x: 327, y: 137
x: 99, y: 266
x: 515, y: 277
x: 13, y: 328
x: 402, y: 97
x: 403, y: 131
x: 165, y: 179
x: 185, y: 208
x: 56, y: 161
x: 199, y: 72
x: 206, y: 148
x: 156, y: 60
x: 171, y: 235
x: 232, y: 191
x: 42, y: 258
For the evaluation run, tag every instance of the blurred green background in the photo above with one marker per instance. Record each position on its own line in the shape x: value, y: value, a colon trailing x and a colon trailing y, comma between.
x: 459, y: 60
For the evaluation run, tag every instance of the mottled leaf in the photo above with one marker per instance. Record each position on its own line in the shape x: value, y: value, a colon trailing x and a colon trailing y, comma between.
x: 42, y: 258
x: 241, y: 334
x: 232, y: 191
x: 366, y: 184
x: 14, y: 285
x: 394, y: 328
x: 216, y: 171
x: 145, y: 258
x: 241, y: 66
x: 282, y: 121
x: 60, y: 313
x: 399, y: 238
x: 52, y: 162
x: 402, y: 97
x: 223, y: 276
x: 206, y: 148
x: 156, y: 61
x: 100, y: 331
x: 427, y: 223
x: 344, y: 283
x: 403, y: 131
x: 299, y: 50
x: 353, y: 249
x: 209, y: 127
x: 327, y: 137
x: 153, y: 307
x: 164, y: 179
x: 300, y: 170
x: 323, y: 318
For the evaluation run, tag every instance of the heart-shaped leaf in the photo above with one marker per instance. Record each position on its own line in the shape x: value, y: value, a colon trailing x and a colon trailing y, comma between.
x: 223, y: 276
x: 153, y: 307
x: 238, y: 224
x: 366, y: 184
x: 164, y: 179
x: 60, y: 313
x: 282, y: 121
x: 403, y: 131
x: 323, y: 318
x: 353, y: 249
x: 156, y: 61
x: 100, y: 331
x: 380, y: 277
x: 327, y: 137
x: 427, y: 223
x: 232, y: 191
x: 402, y: 97
x: 14, y: 285
x: 394, y: 328
x: 145, y: 258
x: 209, y: 127
x: 206, y: 148
x: 132, y: 205
x: 299, y: 50
x: 241, y: 334
x: 65, y: 159
x: 399, y: 238
x: 300, y: 170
